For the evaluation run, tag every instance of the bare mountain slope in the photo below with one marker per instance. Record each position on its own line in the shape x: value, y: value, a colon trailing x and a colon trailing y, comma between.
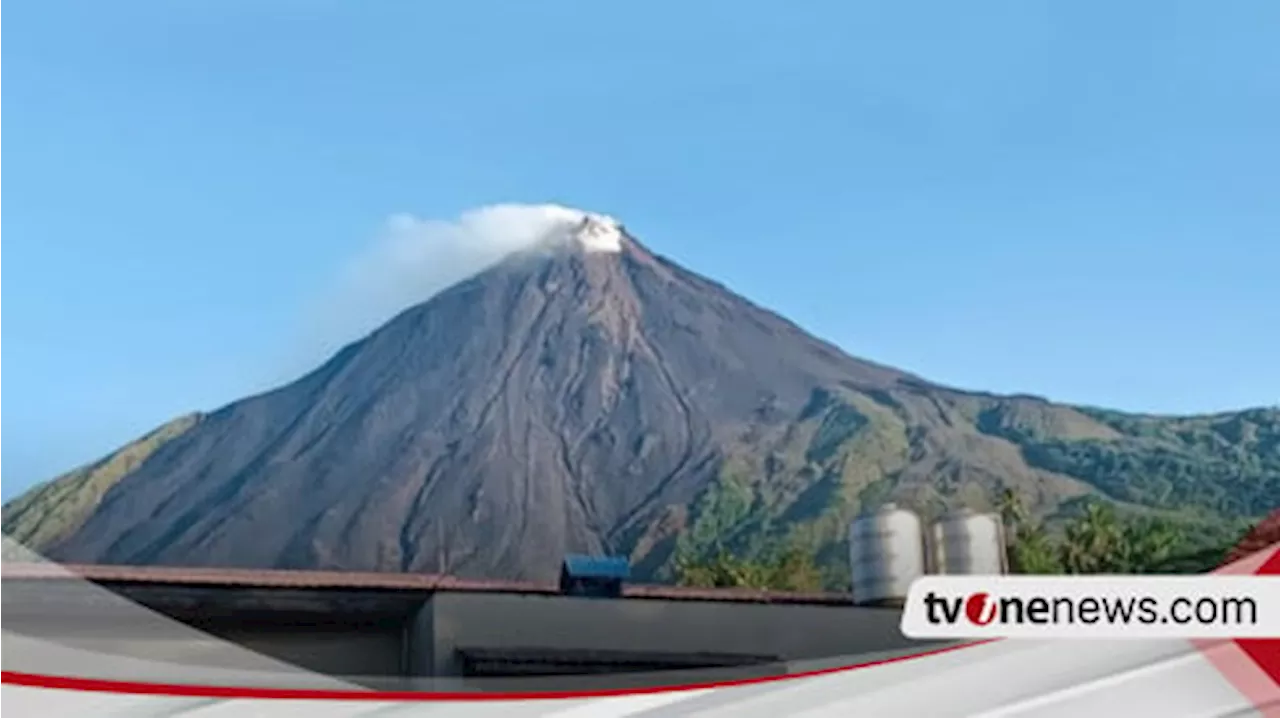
x: 588, y: 396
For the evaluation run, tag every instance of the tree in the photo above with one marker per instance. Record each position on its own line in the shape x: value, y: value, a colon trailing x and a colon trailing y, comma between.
x: 1148, y: 546
x: 1096, y: 541
x: 788, y: 569
x: 794, y: 569
x: 1101, y: 542
x: 1011, y: 509
x: 1030, y: 550
x: 720, y: 569
x: 1033, y: 552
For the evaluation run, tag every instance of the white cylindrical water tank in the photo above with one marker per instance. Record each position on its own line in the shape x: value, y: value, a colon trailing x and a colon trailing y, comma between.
x: 886, y: 553
x: 968, y: 542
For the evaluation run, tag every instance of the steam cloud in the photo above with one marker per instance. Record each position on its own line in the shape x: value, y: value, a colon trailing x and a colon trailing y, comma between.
x: 413, y: 259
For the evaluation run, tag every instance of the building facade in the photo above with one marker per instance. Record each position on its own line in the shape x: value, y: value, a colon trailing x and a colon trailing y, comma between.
x: 388, y: 626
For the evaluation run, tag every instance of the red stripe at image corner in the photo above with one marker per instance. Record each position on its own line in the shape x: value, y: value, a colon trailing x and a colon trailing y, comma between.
x: 1271, y: 567
x: 1266, y: 651
x: 173, y: 690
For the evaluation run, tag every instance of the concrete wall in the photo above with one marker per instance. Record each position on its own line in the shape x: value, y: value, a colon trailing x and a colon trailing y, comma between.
x: 791, y: 632
x: 339, y: 651
x: 420, y: 643
x: 338, y: 632
x: 393, y: 633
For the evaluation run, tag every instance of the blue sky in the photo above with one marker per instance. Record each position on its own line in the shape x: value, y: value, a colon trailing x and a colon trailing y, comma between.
x: 1075, y: 199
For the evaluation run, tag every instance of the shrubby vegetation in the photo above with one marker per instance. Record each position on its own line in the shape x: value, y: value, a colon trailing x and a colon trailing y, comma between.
x: 1169, y: 494
x: 1226, y: 463
x: 54, y: 510
x: 791, y: 569
x: 1098, y: 540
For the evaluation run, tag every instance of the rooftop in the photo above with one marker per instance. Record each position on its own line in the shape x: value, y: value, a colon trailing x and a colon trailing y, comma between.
x: 379, y: 582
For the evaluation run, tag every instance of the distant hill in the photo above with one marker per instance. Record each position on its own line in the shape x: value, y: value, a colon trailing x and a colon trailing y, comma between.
x: 590, y: 396
x: 52, y: 511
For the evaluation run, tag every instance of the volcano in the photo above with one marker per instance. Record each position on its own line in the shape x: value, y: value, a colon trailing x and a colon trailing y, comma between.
x: 586, y: 395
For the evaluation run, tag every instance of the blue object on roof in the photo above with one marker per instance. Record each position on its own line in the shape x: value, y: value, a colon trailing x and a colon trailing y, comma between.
x: 597, y: 567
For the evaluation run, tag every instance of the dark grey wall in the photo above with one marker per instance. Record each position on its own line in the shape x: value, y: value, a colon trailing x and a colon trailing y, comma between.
x: 789, y: 631
x: 348, y: 651
x: 420, y: 643
x: 362, y: 633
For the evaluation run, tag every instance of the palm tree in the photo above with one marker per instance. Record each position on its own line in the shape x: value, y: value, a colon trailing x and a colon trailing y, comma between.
x: 1030, y: 549
x: 1148, y: 546
x: 1096, y: 542
x: 1011, y: 509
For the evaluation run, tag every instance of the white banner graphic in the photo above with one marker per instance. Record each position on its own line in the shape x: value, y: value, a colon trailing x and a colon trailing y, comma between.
x: 1065, y: 607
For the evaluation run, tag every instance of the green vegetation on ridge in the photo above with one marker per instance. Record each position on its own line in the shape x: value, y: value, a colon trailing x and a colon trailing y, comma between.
x: 47, y: 513
x: 1096, y: 541
x: 1149, y: 494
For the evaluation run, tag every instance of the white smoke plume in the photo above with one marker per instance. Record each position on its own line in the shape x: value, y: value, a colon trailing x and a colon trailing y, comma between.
x: 413, y: 259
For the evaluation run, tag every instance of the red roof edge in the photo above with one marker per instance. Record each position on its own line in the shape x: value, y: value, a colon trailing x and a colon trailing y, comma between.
x: 1263, y: 536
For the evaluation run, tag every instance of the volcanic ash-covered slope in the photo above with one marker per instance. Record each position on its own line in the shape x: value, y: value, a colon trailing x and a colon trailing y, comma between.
x: 548, y: 404
x: 588, y: 396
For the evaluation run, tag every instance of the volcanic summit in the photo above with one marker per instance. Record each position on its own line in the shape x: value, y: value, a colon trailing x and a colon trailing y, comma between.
x: 586, y: 396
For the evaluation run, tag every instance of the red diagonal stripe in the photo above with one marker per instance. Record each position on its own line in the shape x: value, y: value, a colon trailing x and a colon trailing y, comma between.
x: 1266, y: 651
x: 1252, y: 666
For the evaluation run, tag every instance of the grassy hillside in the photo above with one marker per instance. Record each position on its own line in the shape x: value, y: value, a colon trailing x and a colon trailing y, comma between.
x: 1206, y: 477
x: 47, y: 513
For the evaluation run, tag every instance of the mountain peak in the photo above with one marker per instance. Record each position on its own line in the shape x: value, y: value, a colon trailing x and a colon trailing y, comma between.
x: 598, y: 233
x: 559, y: 227
x: 586, y: 395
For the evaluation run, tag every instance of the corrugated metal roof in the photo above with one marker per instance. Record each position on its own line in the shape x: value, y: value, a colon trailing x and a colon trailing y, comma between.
x: 365, y: 581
